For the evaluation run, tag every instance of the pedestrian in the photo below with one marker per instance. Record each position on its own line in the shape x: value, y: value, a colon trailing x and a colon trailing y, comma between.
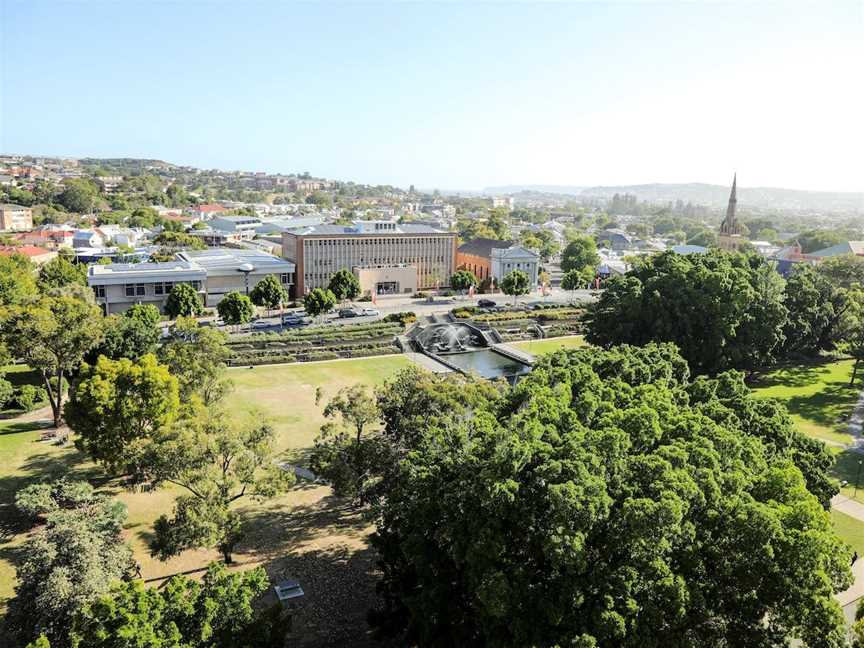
x: 854, y: 557
x: 138, y: 571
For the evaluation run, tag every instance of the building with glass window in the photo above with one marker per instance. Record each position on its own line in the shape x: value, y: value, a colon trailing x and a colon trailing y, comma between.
x: 213, y: 273
x: 118, y: 286
x: 389, y: 257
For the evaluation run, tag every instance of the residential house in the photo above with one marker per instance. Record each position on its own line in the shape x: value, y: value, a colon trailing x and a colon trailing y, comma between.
x: 37, y: 255
x: 15, y: 218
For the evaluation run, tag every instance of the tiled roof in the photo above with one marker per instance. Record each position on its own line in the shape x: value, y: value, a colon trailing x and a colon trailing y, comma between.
x: 483, y: 246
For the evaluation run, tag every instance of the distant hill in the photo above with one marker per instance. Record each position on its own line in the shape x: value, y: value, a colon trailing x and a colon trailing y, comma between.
x: 567, y: 190
x: 718, y: 195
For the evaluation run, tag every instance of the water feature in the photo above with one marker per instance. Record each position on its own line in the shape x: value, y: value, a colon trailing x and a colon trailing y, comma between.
x: 466, y: 348
x: 488, y: 363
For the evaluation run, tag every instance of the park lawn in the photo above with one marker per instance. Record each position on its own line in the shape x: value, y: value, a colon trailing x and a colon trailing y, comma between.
x: 850, y: 529
x: 285, y: 394
x: 23, y: 460
x: 818, y: 397
x: 548, y: 345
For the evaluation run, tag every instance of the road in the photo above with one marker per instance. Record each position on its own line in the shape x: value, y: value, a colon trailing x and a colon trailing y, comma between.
x: 423, y: 307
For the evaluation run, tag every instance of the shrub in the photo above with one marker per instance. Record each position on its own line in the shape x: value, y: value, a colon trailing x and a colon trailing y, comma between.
x: 405, y: 318
x: 27, y: 397
x: 7, y: 392
x: 421, y: 295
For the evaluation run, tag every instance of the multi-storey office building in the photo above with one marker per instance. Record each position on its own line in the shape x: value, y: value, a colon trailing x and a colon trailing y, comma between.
x: 379, y: 252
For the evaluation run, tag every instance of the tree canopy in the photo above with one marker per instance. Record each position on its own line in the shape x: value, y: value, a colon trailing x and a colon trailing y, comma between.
x: 218, y: 612
x: 235, y: 308
x: 70, y: 561
x: 515, y: 283
x: 722, y: 310
x: 117, y: 405
x: 579, y: 253
x: 319, y: 301
x: 607, y: 500
x: 269, y: 293
x: 183, y: 301
x: 463, y: 280
x: 60, y: 272
x: 344, y: 284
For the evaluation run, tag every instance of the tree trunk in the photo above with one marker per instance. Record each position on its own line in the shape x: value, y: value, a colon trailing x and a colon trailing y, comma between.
x: 854, y: 371
x: 226, y: 553
x: 53, y: 399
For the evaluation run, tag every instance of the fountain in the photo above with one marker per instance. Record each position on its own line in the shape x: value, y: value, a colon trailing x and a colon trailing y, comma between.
x: 466, y: 348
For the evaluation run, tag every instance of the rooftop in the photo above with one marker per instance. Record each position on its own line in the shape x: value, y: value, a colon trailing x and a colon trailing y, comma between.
x: 109, y: 274
x: 26, y: 250
x: 849, y: 247
x: 366, y: 228
x: 12, y: 206
x: 483, y: 246
x: 228, y: 260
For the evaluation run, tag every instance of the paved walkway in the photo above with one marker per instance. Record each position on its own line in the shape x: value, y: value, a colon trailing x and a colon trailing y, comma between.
x: 855, y: 509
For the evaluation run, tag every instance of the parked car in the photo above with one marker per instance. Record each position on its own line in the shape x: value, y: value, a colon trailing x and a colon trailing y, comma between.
x: 294, y: 320
x: 371, y: 312
x: 261, y: 325
x: 349, y: 312
x: 486, y: 303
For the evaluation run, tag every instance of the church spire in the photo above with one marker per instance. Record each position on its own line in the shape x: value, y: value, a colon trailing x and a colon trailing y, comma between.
x: 730, y: 223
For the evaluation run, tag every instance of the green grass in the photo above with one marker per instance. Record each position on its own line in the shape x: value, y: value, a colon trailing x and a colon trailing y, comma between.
x: 537, y: 347
x: 818, y: 397
x: 284, y: 394
x: 850, y: 529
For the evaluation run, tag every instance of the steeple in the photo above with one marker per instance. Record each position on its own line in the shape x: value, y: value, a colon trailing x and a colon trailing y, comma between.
x: 730, y: 223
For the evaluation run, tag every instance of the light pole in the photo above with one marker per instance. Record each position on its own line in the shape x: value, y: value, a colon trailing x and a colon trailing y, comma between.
x: 246, y: 268
x: 857, y: 476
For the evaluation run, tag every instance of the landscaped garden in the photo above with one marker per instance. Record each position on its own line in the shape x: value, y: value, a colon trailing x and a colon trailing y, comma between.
x: 306, y: 533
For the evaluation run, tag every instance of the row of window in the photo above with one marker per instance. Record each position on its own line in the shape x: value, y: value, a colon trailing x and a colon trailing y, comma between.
x: 376, y: 241
x: 165, y: 287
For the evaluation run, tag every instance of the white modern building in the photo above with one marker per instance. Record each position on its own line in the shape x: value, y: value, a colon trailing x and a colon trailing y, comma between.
x: 243, y: 226
x: 118, y: 286
x: 213, y: 273
x: 231, y: 270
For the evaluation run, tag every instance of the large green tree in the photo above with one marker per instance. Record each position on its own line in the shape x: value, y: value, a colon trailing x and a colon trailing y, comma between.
x: 217, y: 462
x: 183, y: 301
x: 60, y: 272
x: 462, y: 280
x: 218, y: 612
x: 235, y: 309
x: 131, y: 335
x: 516, y: 283
x: 607, y: 500
x: 579, y: 253
x: 72, y: 559
x: 319, y: 302
x: 269, y: 293
x: 816, y: 307
x: 117, y: 406
x: 722, y: 310
x: 80, y: 195
x: 52, y: 334
x: 17, y: 279
x: 344, y: 285
x: 197, y: 357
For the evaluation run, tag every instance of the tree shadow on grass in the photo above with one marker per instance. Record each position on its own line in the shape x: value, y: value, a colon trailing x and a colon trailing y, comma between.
x: 339, y: 590
x: 274, y: 532
x: 43, y: 466
x: 846, y: 467
x: 798, y: 375
x: 831, y: 407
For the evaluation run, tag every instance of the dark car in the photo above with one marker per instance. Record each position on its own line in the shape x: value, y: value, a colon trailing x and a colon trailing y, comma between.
x: 486, y: 303
x: 349, y: 312
x: 294, y: 320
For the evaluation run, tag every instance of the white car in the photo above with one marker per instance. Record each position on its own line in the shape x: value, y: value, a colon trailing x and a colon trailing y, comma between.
x: 370, y: 312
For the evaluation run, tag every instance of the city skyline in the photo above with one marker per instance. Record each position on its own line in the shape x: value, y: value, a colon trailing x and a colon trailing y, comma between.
x: 455, y: 97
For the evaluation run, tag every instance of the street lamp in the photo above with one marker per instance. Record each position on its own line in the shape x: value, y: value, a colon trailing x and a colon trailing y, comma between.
x: 857, y: 476
x: 246, y: 268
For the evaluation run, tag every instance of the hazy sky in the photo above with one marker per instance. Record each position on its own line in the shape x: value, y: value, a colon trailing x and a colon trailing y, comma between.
x: 450, y: 95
